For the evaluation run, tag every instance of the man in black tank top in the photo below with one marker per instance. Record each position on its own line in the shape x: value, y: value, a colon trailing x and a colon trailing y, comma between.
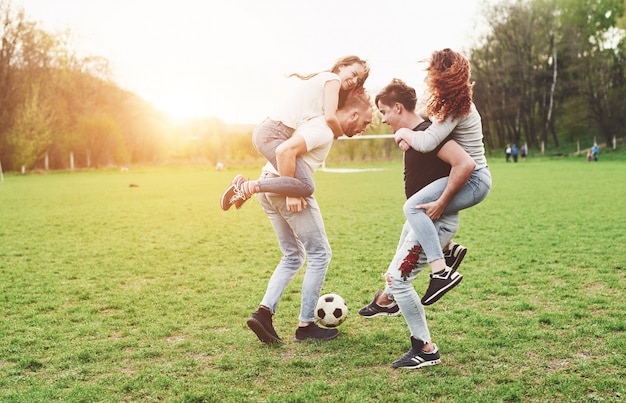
x: 397, y: 103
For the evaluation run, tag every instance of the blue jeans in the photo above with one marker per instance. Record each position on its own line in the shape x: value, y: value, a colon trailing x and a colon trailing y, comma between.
x: 402, y: 291
x: 473, y: 192
x: 301, y: 236
x: 266, y: 137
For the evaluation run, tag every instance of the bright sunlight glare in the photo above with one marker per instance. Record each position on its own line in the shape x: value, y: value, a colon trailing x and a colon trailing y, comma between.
x: 229, y: 59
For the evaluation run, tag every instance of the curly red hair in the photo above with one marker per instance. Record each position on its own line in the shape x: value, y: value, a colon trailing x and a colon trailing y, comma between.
x: 449, y: 85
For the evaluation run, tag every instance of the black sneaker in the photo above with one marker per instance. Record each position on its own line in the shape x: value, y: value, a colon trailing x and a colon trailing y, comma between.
x: 454, y: 255
x: 233, y: 194
x: 261, y: 324
x: 314, y: 332
x: 417, y: 358
x: 440, y: 284
x: 373, y: 309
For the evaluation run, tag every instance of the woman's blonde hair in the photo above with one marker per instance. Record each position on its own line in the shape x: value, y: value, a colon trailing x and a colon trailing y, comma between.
x: 343, y: 61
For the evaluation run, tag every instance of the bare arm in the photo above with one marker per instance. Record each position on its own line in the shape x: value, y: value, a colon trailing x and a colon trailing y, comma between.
x: 331, y: 101
x: 286, y: 155
x: 427, y: 140
x: 462, y: 166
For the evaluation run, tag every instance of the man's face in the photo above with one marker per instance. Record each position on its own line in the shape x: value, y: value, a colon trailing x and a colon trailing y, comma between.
x: 391, y: 115
x: 358, y: 122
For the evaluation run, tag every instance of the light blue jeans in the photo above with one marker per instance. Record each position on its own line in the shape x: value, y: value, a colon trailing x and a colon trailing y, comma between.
x: 266, y: 137
x: 473, y: 192
x: 402, y: 291
x: 301, y: 236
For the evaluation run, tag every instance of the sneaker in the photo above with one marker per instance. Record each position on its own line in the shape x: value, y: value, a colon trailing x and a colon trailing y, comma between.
x: 261, y: 324
x: 417, y: 358
x: 239, y: 179
x: 233, y: 194
x: 454, y: 255
x: 440, y: 284
x: 315, y: 332
x: 373, y: 309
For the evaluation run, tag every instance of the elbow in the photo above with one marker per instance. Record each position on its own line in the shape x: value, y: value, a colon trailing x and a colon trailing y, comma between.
x: 282, y: 152
x: 469, y: 167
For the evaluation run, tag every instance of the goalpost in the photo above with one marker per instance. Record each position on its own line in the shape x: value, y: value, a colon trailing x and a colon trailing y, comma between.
x: 366, y: 137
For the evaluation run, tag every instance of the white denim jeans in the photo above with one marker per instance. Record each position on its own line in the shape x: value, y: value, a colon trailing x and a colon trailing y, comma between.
x: 401, y: 290
x: 301, y: 236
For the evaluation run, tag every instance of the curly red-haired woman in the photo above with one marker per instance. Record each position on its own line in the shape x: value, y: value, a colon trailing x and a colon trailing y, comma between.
x: 450, y: 107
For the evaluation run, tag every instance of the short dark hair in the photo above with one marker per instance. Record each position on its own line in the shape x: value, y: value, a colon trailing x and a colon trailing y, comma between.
x: 398, y: 91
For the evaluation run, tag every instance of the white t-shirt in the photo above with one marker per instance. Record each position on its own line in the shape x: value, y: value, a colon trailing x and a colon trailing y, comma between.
x: 305, y: 101
x: 319, y: 140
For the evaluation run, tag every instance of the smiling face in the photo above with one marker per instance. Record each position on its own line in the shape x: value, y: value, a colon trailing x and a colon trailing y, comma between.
x: 391, y: 114
x: 351, y: 75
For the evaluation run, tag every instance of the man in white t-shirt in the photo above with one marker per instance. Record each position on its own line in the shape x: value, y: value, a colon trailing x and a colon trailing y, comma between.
x: 298, y: 223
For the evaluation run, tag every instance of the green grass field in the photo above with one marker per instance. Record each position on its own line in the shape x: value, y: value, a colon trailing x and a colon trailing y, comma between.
x: 117, y: 293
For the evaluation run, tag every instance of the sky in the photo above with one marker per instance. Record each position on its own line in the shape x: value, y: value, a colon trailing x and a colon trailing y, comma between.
x: 230, y: 59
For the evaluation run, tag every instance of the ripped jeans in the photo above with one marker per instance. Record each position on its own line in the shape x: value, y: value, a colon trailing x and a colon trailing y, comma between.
x: 402, y: 291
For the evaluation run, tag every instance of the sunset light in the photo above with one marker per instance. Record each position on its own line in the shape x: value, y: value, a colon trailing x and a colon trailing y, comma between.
x: 229, y: 59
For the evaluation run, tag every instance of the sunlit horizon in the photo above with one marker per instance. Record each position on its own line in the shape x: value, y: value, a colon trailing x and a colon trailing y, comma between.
x: 229, y: 59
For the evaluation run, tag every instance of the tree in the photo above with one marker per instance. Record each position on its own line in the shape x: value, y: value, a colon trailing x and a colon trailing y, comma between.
x: 595, y: 53
x: 511, y: 70
x: 30, y: 135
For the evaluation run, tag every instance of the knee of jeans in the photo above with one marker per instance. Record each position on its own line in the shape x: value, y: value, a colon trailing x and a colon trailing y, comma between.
x: 328, y: 256
x: 409, y: 208
x: 308, y: 188
x: 295, y: 260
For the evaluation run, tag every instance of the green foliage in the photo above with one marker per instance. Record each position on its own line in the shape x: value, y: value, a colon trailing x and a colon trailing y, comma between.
x: 118, y: 293
x: 31, y: 135
x: 547, y: 70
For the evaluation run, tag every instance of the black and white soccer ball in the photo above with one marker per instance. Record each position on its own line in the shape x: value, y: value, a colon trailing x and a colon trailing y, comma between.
x: 331, y: 310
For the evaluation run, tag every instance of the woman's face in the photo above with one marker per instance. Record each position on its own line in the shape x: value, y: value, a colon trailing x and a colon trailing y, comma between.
x: 351, y: 75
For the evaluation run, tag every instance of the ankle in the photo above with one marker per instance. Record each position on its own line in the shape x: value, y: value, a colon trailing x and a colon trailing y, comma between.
x: 428, y: 347
x: 252, y: 187
x: 383, y: 300
x: 438, y: 266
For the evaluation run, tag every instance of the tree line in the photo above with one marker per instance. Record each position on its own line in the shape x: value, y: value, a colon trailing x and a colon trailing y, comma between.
x: 545, y: 72
x: 551, y: 71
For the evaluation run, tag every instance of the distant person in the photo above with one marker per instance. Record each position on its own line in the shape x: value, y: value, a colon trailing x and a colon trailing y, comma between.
x: 317, y: 94
x: 595, y: 151
x: 589, y: 156
x: 452, y: 112
x: 514, y: 152
x: 524, y: 152
x: 507, y: 152
x: 301, y: 235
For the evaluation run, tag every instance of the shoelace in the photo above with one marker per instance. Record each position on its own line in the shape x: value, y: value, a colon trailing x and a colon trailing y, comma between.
x: 239, y: 195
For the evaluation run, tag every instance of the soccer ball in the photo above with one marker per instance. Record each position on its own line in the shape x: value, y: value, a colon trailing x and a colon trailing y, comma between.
x: 331, y: 310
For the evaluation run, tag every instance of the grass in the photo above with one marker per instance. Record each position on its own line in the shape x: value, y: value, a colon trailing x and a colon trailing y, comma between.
x: 118, y: 293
